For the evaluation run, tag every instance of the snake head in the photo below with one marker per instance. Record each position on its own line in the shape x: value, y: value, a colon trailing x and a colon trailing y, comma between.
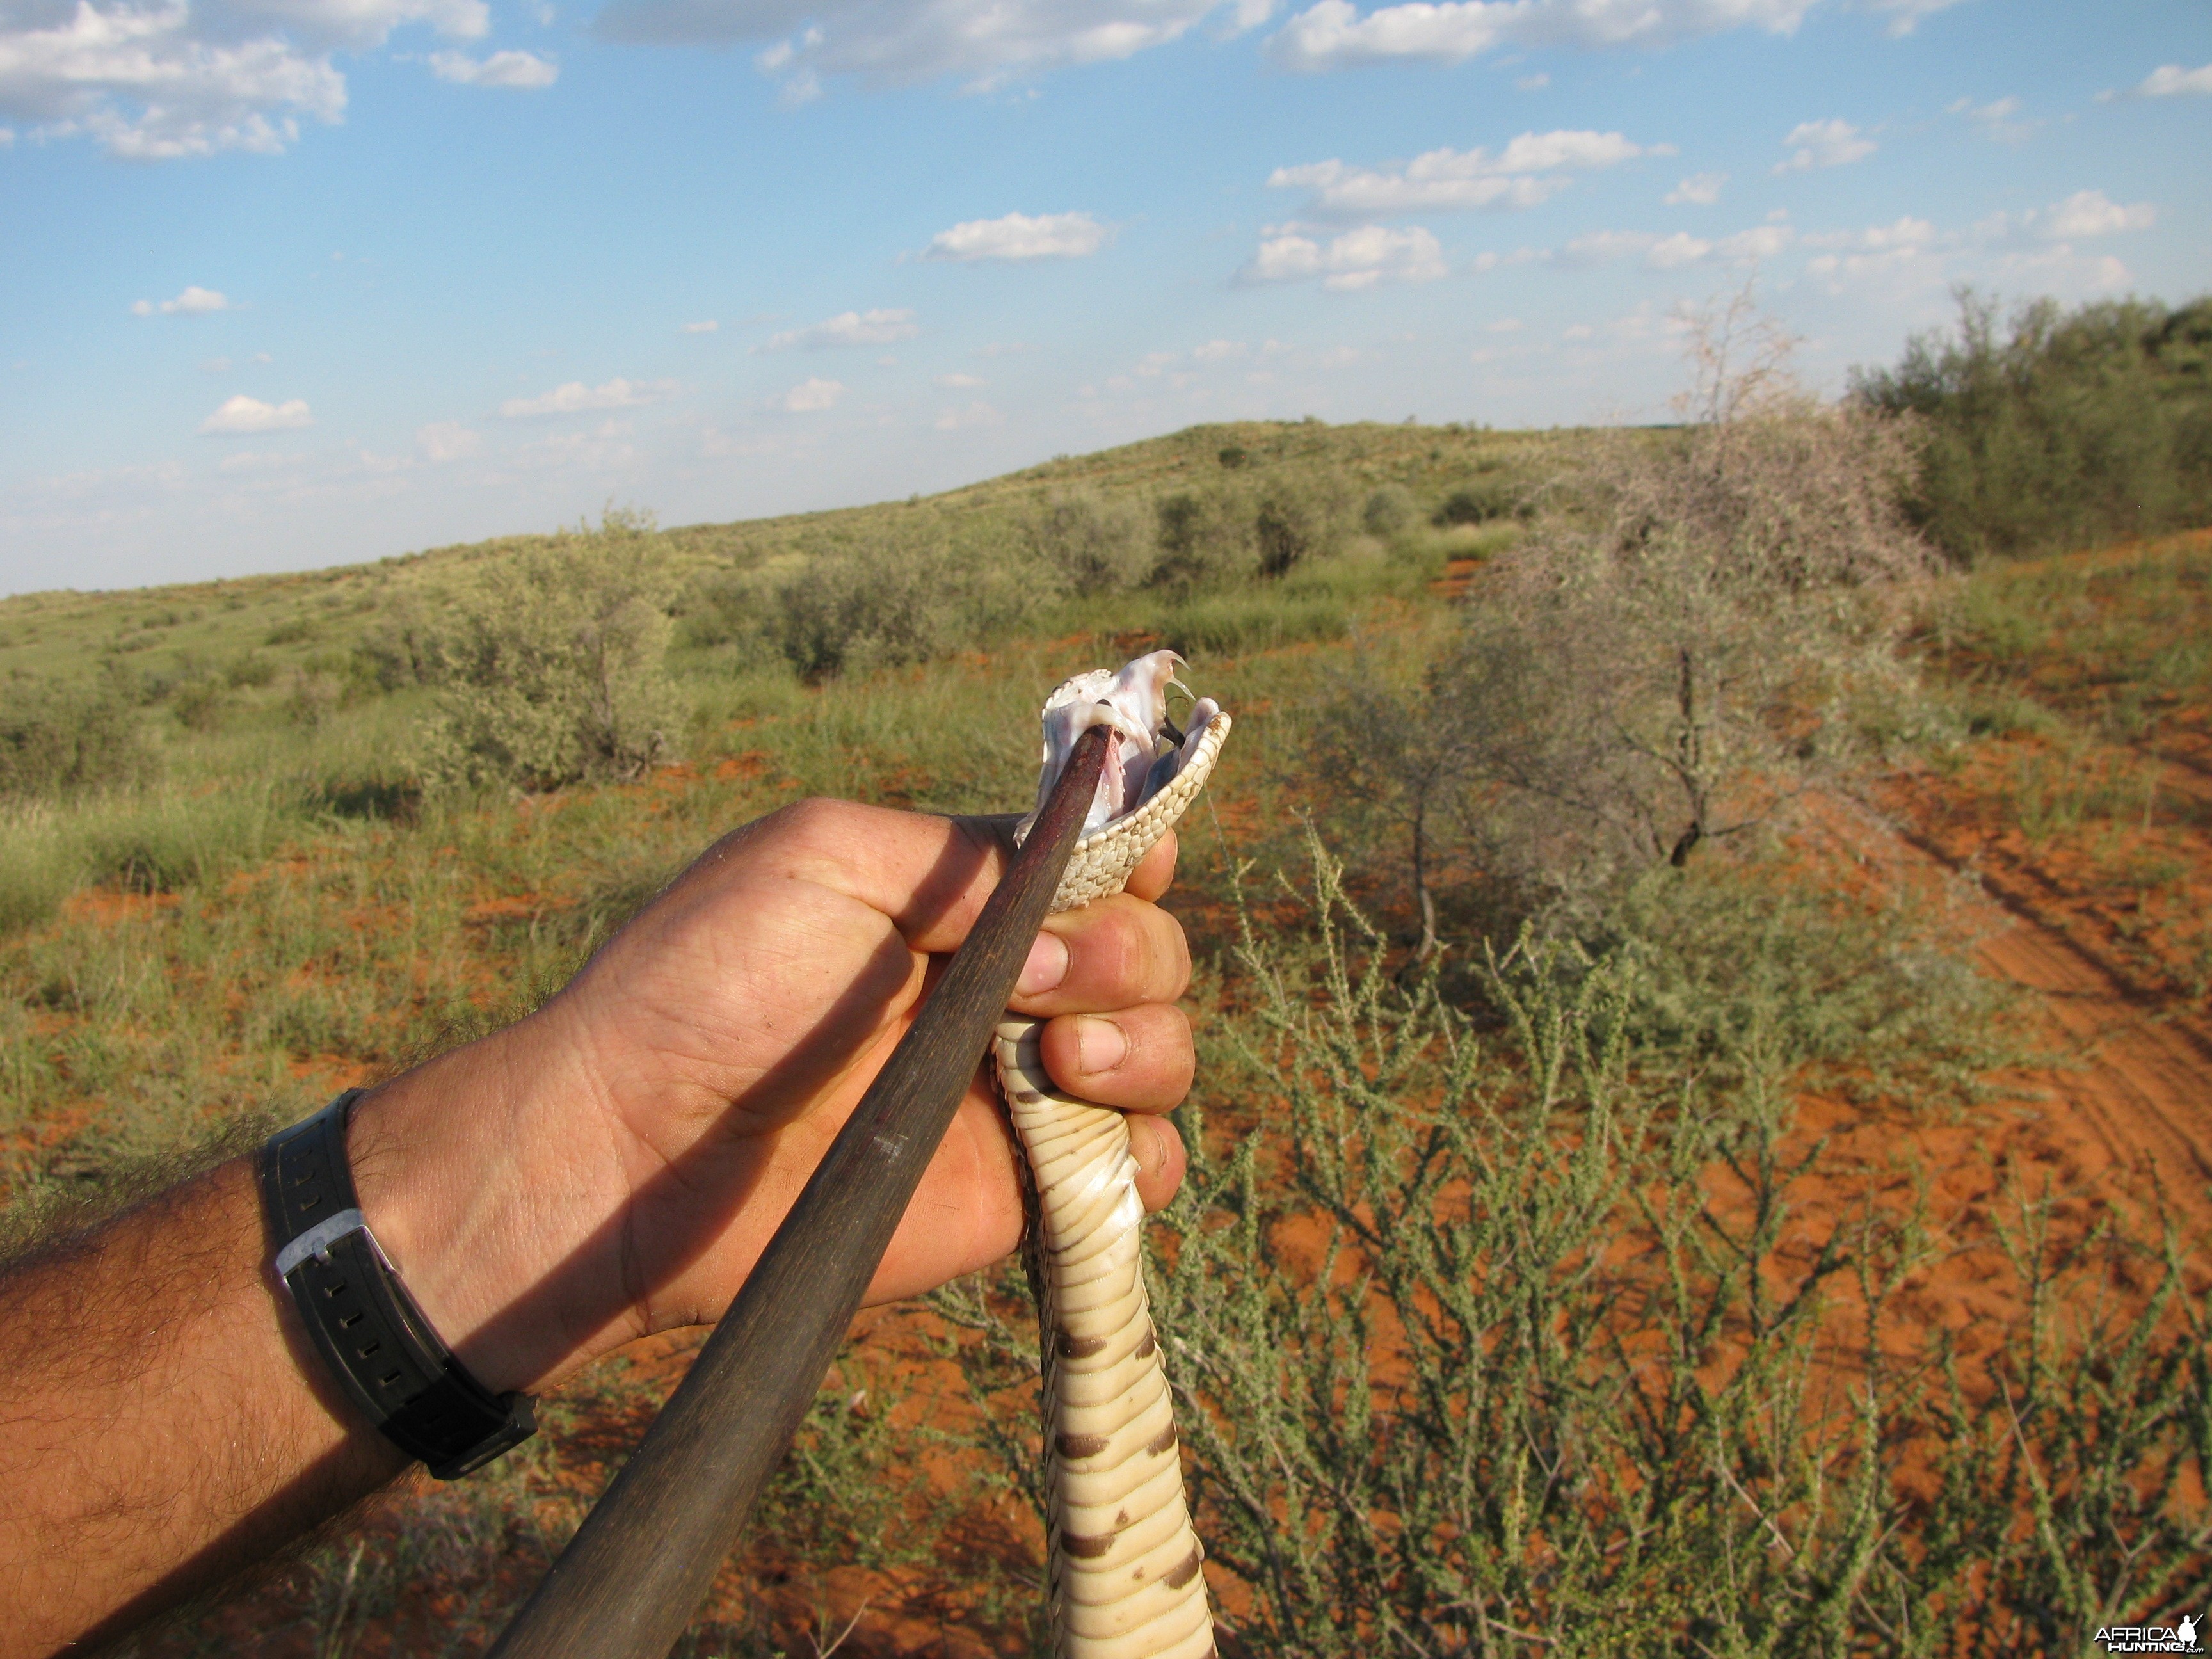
x: 1143, y: 751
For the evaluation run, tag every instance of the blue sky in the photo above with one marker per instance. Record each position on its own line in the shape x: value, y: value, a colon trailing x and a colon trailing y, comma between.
x: 298, y: 282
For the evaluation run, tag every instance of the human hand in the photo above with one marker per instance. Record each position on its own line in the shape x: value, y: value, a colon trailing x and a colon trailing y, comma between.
x: 615, y: 1164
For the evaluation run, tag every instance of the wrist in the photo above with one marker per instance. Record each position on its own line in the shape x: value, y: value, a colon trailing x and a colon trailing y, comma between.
x: 486, y: 1214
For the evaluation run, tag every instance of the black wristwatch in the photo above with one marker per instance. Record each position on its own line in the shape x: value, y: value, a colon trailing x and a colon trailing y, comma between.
x: 384, y: 1353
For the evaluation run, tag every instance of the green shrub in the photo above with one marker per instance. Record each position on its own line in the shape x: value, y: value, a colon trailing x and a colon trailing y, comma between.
x: 2058, y: 429
x: 251, y: 670
x: 1483, y: 503
x: 1299, y: 516
x: 727, y: 607
x: 312, y: 699
x: 405, y: 646
x: 1097, y: 543
x: 61, y: 741
x: 909, y: 597
x: 201, y: 705
x: 1205, y: 538
x: 555, y: 671
x: 1390, y: 511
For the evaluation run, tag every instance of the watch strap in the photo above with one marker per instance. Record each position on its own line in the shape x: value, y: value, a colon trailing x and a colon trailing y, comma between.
x: 383, y: 1351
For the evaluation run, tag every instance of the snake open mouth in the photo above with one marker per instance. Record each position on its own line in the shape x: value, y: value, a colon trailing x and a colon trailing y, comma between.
x: 1144, y: 749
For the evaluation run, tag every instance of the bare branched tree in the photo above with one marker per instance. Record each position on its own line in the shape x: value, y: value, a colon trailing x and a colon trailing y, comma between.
x: 1669, y: 662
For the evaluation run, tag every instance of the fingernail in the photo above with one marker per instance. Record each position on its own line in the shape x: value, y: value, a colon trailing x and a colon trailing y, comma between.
x: 1047, y: 966
x: 1149, y: 1144
x: 1100, y: 1045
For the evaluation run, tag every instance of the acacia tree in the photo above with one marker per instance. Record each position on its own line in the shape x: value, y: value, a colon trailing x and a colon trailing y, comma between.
x: 1676, y: 656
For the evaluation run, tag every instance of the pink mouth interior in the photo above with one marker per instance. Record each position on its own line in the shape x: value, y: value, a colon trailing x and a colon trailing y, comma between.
x: 1131, y: 704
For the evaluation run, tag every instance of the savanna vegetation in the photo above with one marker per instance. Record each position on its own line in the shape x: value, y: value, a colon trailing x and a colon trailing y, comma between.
x: 2050, y: 430
x: 1604, y: 1231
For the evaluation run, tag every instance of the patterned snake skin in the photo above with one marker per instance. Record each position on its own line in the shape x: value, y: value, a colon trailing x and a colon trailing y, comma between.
x: 1125, y: 1580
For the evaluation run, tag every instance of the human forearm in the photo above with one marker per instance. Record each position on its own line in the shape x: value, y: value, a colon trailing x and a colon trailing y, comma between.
x: 162, y: 1420
x: 611, y: 1166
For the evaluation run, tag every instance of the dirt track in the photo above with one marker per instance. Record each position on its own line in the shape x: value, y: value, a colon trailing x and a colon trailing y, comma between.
x: 2128, y: 1108
x: 2143, y: 1091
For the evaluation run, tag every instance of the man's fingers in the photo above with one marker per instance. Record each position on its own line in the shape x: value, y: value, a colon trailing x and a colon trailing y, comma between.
x: 1139, y: 1058
x: 1151, y: 877
x: 1160, y: 1158
x: 1109, y: 954
x: 929, y: 875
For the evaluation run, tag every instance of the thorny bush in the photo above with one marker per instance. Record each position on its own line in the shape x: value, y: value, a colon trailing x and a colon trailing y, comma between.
x: 1689, y: 650
x: 1515, y: 1343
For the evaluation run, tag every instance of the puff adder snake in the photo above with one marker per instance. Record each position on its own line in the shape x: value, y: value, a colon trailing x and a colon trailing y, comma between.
x: 1123, y: 1573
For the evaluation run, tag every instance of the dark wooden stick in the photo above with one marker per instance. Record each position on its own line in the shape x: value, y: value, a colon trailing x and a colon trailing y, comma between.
x: 632, y: 1575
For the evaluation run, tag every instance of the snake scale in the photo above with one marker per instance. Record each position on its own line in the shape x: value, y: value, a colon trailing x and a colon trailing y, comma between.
x: 1123, y: 1574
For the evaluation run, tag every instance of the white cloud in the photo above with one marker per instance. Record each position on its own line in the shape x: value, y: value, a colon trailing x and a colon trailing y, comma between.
x: 524, y: 71
x: 1218, y: 351
x: 178, y: 78
x: 244, y: 414
x: 975, y: 415
x: 986, y: 42
x: 1759, y: 242
x: 848, y: 328
x: 1904, y: 15
x: 812, y: 395
x: 1019, y: 236
x: 1699, y: 190
x: 1535, y: 82
x: 1875, y: 252
x: 1357, y: 259
x: 575, y: 397
x: 1677, y: 251
x: 1906, y: 232
x: 1503, y: 325
x: 192, y: 302
x: 2091, y: 213
x: 1996, y: 120
x: 1521, y: 175
x: 1595, y: 247
x: 2171, y: 80
x: 707, y: 327
x: 1333, y: 35
x: 254, y: 460
x: 959, y: 382
x: 2085, y: 213
x: 447, y: 440
x: 1823, y: 144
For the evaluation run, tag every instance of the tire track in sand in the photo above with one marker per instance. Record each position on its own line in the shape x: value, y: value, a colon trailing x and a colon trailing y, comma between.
x: 2137, y: 1105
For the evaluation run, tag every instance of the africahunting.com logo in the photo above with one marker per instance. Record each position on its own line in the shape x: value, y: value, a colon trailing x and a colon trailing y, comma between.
x: 2150, y: 1639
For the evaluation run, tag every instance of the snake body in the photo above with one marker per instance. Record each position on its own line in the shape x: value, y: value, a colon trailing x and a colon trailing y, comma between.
x: 1124, y: 1578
